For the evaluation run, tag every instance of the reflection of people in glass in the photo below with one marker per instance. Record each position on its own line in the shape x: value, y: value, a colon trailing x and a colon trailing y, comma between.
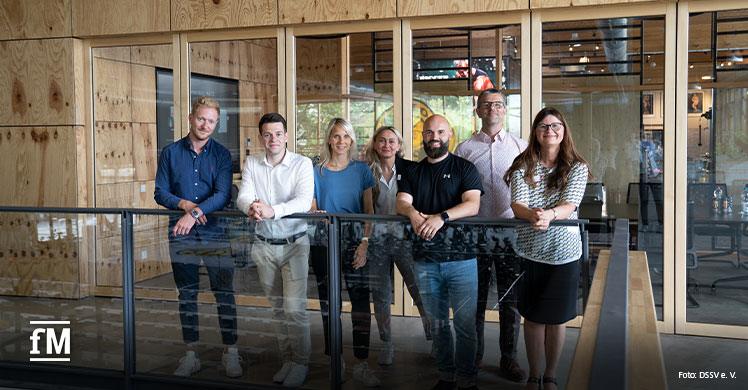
x: 194, y: 175
x: 480, y: 78
x: 492, y: 150
x: 343, y: 185
x: 695, y: 103
x: 548, y: 181
x: 275, y: 184
x: 440, y: 188
x: 389, y: 244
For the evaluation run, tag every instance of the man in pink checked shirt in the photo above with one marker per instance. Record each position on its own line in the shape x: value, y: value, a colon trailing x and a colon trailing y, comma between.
x: 492, y: 150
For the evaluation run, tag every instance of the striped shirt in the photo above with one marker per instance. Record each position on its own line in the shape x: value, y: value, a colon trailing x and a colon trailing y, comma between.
x: 559, y: 244
x: 493, y: 157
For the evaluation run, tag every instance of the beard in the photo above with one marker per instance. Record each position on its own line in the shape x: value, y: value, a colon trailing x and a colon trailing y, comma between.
x: 437, y: 151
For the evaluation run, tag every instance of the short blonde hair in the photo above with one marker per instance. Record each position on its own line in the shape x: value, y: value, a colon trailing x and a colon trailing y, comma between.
x: 205, y: 101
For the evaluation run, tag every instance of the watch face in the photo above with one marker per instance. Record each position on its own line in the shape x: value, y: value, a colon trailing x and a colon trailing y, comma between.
x: 195, y: 214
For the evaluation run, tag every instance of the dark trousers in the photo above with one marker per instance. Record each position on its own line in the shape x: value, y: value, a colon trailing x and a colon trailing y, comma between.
x: 507, y: 268
x: 186, y: 256
x: 357, y: 284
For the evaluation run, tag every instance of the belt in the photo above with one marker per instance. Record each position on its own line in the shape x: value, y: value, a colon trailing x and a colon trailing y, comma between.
x: 281, y: 241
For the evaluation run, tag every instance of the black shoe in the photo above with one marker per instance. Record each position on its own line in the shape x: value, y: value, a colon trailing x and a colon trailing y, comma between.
x: 510, y: 369
x: 445, y: 385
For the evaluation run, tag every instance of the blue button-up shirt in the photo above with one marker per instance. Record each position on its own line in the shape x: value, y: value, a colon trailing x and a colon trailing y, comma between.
x: 204, y: 179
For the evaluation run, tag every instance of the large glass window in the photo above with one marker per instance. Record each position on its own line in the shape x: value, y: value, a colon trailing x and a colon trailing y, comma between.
x: 607, y: 77
x: 451, y: 66
x: 717, y: 227
x: 348, y: 76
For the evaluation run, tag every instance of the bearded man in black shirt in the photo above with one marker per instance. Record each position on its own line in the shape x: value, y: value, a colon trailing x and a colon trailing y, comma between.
x: 443, y: 187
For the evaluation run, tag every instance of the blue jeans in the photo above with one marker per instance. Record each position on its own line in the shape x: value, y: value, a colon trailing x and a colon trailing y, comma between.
x: 451, y: 284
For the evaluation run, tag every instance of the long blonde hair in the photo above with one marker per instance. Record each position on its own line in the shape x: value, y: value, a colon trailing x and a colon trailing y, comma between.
x: 325, y: 152
x: 372, y: 158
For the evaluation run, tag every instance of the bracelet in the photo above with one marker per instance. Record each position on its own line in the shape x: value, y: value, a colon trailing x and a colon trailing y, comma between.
x: 555, y: 214
x: 366, y: 239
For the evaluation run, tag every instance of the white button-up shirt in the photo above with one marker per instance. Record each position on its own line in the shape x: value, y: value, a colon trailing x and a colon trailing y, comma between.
x: 287, y: 187
x: 493, y: 157
x: 385, y: 204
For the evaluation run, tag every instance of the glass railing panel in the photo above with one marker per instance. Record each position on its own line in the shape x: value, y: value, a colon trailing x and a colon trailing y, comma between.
x: 51, y: 309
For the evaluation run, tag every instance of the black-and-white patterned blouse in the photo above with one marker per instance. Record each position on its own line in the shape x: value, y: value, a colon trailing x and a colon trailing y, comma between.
x: 559, y: 244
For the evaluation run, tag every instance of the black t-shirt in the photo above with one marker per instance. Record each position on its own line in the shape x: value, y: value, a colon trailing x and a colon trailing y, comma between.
x: 436, y: 188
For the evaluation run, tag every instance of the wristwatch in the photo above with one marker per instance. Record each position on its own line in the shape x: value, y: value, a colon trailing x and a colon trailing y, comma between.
x: 444, y: 216
x: 555, y: 214
x: 195, y: 213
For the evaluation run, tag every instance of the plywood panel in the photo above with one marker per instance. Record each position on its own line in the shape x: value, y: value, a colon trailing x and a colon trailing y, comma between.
x: 577, y: 3
x: 117, y: 53
x: 312, y: 11
x: 161, y: 56
x: 38, y: 81
x: 216, y: 58
x: 142, y: 196
x: 114, y: 151
x: 144, y: 151
x: 105, y: 17
x: 112, y: 85
x: 109, y: 261
x: 112, y: 195
x: 435, y: 7
x: 24, y: 19
x: 143, y: 93
x: 38, y: 166
x: 206, y: 14
x: 39, y: 255
x: 318, y: 68
x: 259, y: 61
x: 256, y: 99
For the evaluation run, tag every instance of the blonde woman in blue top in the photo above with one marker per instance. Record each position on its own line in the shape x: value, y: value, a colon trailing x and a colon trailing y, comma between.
x: 344, y: 185
x: 548, y: 181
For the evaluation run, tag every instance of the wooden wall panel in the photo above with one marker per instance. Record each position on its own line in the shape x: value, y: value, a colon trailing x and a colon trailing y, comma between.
x: 112, y: 90
x: 207, y: 14
x: 25, y: 19
x: 114, y: 162
x: 318, y: 68
x: 117, y: 53
x: 216, y: 58
x: 259, y: 61
x: 106, y: 17
x: 39, y: 166
x: 160, y: 56
x: 313, y: 11
x: 408, y: 8
x: 578, y: 3
x: 38, y: 82
x: 143, y: 93
x: 144, y: 152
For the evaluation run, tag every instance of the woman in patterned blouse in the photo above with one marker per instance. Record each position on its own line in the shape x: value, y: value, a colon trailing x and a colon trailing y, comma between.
x: 548, y: 181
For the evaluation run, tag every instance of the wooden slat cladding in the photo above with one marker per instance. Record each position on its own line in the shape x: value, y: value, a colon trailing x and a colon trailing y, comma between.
x: 313, y: 11
x: 24, y: 19
x: 108, y: 17
x: 208, y: 14
x: 37, y: 78
x: 407, y: 8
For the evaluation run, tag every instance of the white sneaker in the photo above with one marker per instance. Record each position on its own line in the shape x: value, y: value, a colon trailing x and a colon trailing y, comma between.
x: 386, y: 354
x: 232, y: 363
x: 281, y: 375
x: 296, y: 375
x: 188, y: 365
x: 362, y: 373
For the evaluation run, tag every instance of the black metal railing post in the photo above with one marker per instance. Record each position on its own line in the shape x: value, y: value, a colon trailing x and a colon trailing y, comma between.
x: 334, y: 302
x: 585, y: 264
x: 128, y: 297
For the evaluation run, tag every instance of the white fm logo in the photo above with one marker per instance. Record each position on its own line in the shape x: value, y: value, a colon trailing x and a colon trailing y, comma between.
x: 55, y: 346
x: 447, y: 176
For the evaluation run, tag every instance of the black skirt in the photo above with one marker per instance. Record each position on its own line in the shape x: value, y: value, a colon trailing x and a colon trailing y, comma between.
x: 548, y: 293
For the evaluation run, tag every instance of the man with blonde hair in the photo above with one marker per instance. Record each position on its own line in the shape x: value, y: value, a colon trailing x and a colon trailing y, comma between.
x: 194, y: 175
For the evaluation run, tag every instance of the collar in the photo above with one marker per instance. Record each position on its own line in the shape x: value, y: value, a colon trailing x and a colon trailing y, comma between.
x: 483, y: 137
x: 188, y: 144
x: 394, y: 175
x: 286, y: 161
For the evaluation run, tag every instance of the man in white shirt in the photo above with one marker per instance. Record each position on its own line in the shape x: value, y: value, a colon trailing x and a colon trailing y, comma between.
x: 275, y: 184
x: 493, y: 150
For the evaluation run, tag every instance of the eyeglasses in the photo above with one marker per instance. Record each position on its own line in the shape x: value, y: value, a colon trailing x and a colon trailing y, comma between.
x: 491, y: 105
x: 556, y: 127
